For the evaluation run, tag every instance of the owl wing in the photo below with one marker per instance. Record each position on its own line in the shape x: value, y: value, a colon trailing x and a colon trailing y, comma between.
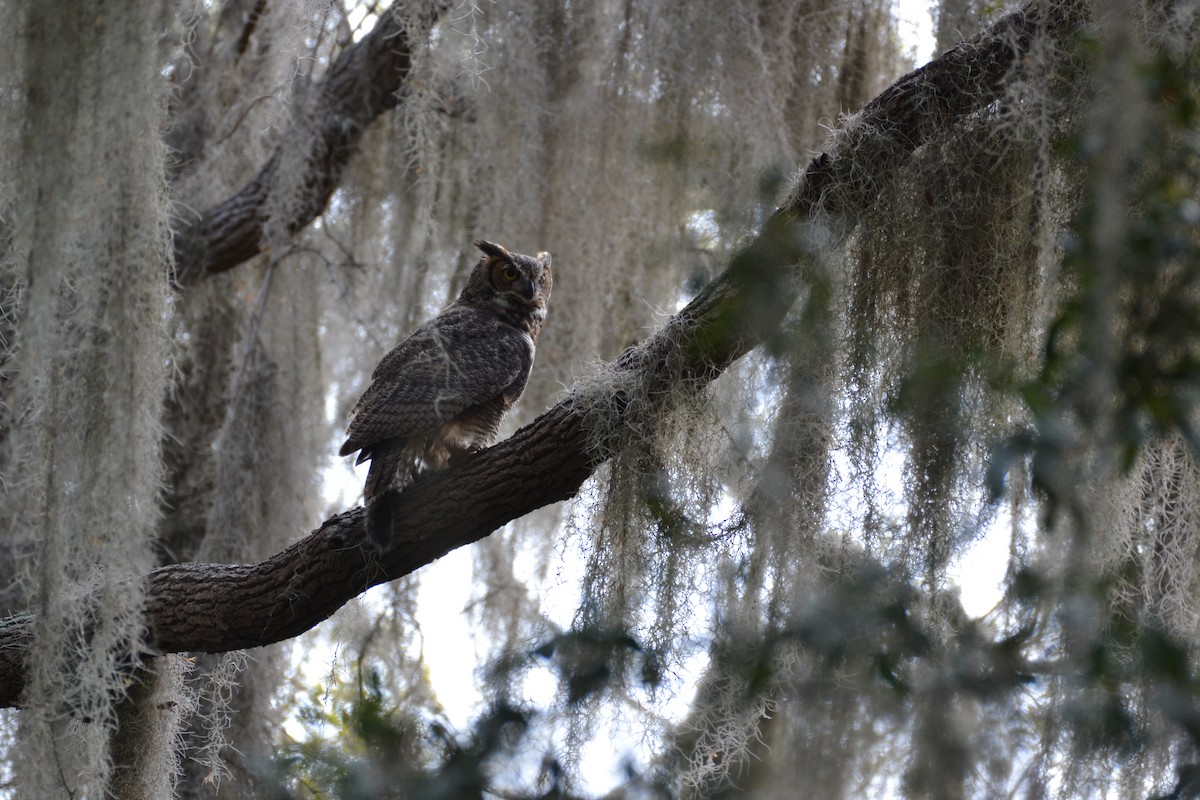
x: 460, y: 359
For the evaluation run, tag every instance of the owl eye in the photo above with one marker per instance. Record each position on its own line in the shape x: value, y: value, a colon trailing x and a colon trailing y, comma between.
x: 509, y: 273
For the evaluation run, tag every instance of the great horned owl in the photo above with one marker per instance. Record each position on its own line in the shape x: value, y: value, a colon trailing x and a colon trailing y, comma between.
x: 444, y: 389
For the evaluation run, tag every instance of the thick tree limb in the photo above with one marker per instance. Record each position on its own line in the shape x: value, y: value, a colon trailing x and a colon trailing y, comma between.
x: 219, y: 607
x: 363, y: 82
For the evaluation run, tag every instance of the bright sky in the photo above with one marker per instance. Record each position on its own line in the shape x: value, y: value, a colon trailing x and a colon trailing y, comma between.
x: 916, y: 28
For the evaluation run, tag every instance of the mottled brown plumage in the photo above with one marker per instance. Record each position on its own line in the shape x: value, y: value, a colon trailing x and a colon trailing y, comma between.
x: 444, y: 389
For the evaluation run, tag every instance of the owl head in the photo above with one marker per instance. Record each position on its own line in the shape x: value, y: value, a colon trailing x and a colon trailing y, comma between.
x: 516, y: 285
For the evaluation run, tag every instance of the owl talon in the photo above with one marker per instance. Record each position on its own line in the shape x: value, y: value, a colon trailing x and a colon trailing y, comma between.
x: 457, y: 456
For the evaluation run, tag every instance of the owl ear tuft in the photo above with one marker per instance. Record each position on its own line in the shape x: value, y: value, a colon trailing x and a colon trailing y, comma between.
x: 544, y: 259
x: 492, y: 249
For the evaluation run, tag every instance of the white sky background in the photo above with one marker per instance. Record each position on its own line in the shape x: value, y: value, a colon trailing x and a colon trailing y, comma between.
x: 450, y: 646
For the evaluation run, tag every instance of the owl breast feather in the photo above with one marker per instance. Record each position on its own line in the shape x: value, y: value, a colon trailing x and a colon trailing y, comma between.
x: 455, y: 377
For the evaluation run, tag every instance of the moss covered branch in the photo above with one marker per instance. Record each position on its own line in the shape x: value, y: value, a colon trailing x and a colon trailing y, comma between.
x: 364, y: 82
x: 219, y: 607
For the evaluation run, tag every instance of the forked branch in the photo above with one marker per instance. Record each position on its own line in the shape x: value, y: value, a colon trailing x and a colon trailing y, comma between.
x: 364, y: 82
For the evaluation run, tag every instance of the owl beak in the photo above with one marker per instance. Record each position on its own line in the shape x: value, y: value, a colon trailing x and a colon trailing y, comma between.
x: 528, y: 289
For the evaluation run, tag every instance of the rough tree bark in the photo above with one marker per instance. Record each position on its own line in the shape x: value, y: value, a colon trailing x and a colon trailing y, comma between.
x: 219, y: 607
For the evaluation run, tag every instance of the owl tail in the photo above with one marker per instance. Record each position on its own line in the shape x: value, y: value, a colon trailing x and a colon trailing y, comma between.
x: 379, y: 520
x: 385, y: 461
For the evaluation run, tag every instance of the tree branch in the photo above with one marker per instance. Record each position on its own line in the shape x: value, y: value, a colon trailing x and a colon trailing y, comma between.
x: 364, y: 82
x: 219, y: 607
